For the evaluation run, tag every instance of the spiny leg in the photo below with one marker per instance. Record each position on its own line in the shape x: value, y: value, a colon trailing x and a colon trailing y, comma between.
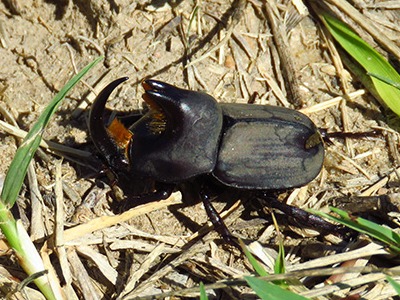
x: 161, y: 192
x: 302, y: 216
x: 216, y: 220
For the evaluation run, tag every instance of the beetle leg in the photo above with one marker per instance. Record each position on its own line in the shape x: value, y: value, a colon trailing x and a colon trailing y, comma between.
x: 327, y: 137
x: 130, y: 119
x: 162, y: 192
x: 303, y: 217
x: 217, y: 221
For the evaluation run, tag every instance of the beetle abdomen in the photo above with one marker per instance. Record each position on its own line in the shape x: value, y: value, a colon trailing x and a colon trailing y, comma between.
x: 267, y: 147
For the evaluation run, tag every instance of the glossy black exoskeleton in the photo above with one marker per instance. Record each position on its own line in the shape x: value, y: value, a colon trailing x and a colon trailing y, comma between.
x: 187, y: 136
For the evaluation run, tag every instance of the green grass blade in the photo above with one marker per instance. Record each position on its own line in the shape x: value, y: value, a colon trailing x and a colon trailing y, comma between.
x: 386, y: 80
x: 376, y: 231
x: 253, y: 261
x: 16, y: 173
x: 269, y: 291
x: 203, y: 294
x: 370, y: 60
x: 16, y: 235
x: 191, y: 20
x: 394, y: 284
x: 279, y: 267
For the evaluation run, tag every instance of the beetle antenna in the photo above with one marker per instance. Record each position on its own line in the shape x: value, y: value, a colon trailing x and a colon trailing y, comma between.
x: 98, y: 131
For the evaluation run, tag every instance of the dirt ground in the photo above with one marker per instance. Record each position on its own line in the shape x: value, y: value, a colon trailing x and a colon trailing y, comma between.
x: 231, y: 50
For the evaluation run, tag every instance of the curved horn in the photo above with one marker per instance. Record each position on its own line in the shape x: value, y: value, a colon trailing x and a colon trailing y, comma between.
x: 101, y: 139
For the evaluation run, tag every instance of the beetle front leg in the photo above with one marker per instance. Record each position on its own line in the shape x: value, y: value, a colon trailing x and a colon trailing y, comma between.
x: 162, y: 191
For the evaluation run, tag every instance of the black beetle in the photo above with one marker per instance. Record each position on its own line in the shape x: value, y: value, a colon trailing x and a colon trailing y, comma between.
x: 187, y: 136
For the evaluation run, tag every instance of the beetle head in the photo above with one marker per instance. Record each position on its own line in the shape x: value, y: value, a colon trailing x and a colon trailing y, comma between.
x: 176, y: 140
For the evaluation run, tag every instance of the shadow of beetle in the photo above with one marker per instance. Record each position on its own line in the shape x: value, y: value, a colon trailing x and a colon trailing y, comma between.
x: 187, y: 138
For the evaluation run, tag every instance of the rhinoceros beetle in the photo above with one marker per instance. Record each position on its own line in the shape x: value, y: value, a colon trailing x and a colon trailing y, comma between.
x: 188, y: 137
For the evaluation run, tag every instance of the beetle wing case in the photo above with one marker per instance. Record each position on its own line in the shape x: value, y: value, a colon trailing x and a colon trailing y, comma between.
x: 265, y: 147
x: 186, y: 145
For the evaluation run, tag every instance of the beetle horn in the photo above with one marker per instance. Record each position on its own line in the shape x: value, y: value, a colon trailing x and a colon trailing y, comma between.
x: 101, y: 137
x: 175, y: 102
x: 160, y: 95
